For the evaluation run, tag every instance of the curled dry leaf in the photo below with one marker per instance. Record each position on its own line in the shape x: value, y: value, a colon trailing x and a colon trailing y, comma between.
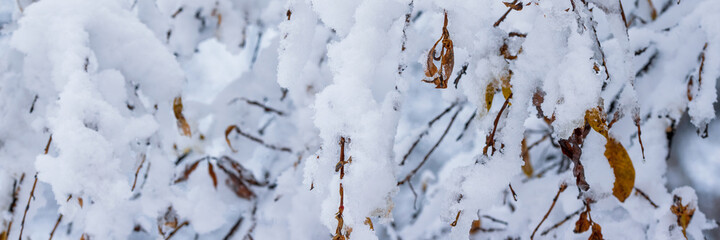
x: 616, y: 155
x: 572, y: 148
x: 369, y: 223
x: 228, y: 130
x: 527, y: 166
x: 181, y: 122
x: 440, y: 77
x: 684, y: 214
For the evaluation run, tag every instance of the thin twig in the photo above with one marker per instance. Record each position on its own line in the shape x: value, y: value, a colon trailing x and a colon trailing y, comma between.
x: 497, y: 23
x: 427, y: 156
x: 254, y: 139
x: 233, y: 229
x: 427, y: 130
x: 467, y: 124
x: 563, y: 186
x: 462, y: 72
x: 137, y: 172
x: 47, y: 147
x: 258, y: 104
x: 176, y: 229
x: 55, y: 227
x: 638, y: 191
x: 562, y: 222
x: 513, y: 192
x: 495, y: 220
x: 490, y: 141
x: 27, y: 207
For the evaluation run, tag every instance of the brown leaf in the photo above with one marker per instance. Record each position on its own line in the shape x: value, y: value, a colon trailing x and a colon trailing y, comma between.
x: 181, y: 122
x: 447, y: 60
x: 596, y: 232
x: 583, y: 223
x: 571, y: 148
x: 684, y: 214
x: 211, y: 172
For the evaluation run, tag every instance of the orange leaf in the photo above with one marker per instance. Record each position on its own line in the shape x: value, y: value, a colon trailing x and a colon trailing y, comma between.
x: 490, y: 94
x: 181, y: 122
x: 228, y: 130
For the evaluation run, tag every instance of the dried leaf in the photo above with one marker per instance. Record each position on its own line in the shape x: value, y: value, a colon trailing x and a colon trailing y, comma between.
x: 80, y: 202
x: 514, y: 6
x: 440, y: 77
x: 228, y: 130
x: 596, y: 232
x: 490, y: 90
x: 571, y: 148
x: 622, y: 168
x: 583, y: 223
x: 475, y: 227
x: 181, y: 122
x: 211, y: 172
x: 527, y: 167
x: 506, y: 87
x: 239, y: 188
x: 369, y: 223
x: 684, y: 214
x: 616, y: 155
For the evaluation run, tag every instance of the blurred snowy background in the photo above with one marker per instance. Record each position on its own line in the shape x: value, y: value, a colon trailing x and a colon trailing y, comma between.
x: 308, y: 119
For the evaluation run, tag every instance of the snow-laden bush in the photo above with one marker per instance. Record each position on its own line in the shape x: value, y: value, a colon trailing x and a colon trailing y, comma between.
x: 339, y: 119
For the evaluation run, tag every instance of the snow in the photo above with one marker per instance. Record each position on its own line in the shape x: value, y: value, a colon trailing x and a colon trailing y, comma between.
x: 315, y: 96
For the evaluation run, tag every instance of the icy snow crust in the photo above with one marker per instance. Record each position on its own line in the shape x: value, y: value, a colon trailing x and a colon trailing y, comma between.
x: 87, y: 93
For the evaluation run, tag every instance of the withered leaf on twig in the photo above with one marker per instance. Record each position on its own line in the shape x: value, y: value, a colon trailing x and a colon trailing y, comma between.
x: 684, y: 214
x: 440, y: 77
x: 616, y: 155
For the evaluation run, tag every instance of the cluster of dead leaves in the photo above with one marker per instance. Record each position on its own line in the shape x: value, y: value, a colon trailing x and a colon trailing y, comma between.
x: 446, y: 58
x: 585, y: 222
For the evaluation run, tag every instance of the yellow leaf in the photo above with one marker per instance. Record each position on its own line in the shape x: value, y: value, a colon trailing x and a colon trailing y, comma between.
x: 622, y: 168
x: 616, y: 155
x: 506, y: 87
x: 490, y: 94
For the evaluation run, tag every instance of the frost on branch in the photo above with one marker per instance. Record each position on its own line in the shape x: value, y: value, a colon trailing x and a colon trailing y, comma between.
x: 368, y: 119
